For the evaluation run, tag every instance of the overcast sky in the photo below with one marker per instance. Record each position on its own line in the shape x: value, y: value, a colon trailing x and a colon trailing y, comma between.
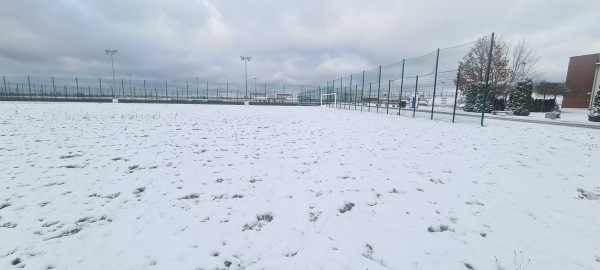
x: 293, y: 42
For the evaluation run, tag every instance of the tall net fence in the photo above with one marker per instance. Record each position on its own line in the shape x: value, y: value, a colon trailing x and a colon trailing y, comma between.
x: 424, y: 86
x: 98, y: 89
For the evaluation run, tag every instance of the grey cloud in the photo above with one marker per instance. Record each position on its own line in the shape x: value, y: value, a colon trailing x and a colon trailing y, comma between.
x: 298, y: 42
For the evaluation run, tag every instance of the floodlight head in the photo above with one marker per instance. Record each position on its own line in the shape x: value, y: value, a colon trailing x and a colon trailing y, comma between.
x: 249, y: 57
x: 243, y: 58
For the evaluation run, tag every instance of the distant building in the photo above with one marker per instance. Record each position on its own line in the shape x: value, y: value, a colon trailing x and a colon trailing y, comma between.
x: 582, y: 74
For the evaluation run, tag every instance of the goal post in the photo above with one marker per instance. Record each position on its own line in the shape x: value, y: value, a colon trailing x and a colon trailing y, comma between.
x: 334, y: 98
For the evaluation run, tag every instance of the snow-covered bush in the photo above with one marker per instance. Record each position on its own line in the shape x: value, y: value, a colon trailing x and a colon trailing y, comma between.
x: 595, y: 111
x: 471, y: 97
x: 520, y: 97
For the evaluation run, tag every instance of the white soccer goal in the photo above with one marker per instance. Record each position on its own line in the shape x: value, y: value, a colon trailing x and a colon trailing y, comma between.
x: 334, y: 98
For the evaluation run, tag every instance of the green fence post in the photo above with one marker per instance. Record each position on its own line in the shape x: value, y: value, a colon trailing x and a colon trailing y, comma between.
x: 456, y: 94
x: 416, y: 97
x: 435, y: 82
x: 487, y: 80
x: 29, y: 83
x: 401, y: 85
x: 387, y: 105
x: 378, y: 89
x: 369, y: 108
x: 362, y: 92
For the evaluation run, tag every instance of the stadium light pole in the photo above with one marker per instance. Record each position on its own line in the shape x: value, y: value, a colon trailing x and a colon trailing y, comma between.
x: 197, y: 93
x: 112, y: 52
x: 129, y: 82
x: 246, y: 59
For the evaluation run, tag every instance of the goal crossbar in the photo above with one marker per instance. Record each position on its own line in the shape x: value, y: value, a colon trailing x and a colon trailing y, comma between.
x: 334, y: 98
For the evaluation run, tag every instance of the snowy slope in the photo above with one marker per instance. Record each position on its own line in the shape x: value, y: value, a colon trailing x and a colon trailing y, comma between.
x: 146, y: 186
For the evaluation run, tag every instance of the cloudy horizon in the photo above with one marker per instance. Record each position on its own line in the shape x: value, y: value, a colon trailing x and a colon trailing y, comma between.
x: 292, y: 42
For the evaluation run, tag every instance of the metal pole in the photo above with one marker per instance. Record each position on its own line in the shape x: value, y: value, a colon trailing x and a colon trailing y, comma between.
x: 437, y: 59
x: 166, y: 90
x: 378, y: 89
x: 341, y: 84
x: 53, y: 88
x: 362, y: 92
x: 100, y: 81
x: 89, y: 92
x: 77, y: 83
x: 355, y: 94
x: 29, y: 83
x: 388, y: 99
x: 130, y: 84
x: 187, y: 90
x: 266, y: 100
x: 350, y: 88
x: 456, y: 94
x: 197, y: 92
x: 369, y: 108
x: 487, y: 78
x: 206, y: 91
x: 5, y: 89
x: 123, y: 87
x: 416, y: 100
x: 145, y: 94
x: 112, y: 64
x: 401, y: 85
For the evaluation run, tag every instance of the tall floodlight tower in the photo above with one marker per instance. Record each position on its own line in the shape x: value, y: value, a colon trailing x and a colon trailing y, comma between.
x: 246, y: 59
x: 112, y: 52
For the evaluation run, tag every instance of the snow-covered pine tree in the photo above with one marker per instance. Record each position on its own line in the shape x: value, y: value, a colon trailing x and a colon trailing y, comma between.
x: 480, y: 97
x: 595, y: 111
x: 470, y: 98
x: 520, y: 98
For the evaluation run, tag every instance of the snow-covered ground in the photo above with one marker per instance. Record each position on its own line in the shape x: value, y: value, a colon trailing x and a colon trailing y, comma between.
x: 147, y: 186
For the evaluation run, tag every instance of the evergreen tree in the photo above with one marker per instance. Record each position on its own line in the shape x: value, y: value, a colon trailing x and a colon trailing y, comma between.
x: 595, y: 111
x: 481, y: 96
x: 470, y: 97
x: 520, y: 97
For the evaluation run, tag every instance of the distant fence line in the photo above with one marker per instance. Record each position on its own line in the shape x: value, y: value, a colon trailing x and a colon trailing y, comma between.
x: 98, y: 88
x: 429, y: 80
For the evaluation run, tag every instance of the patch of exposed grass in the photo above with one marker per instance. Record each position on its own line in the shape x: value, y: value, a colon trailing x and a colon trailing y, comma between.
x: 66, y: 233
x: 4, y: 205
x: 42, y: 204
x: 132, y: 168
x: 347, y: 207
x: 313, y: 216
x: 72, y: 166
x: 236, y: 196
x: 69, y: 156
x: 584, y: 194
x: 441, y: 228
x: 9, y: 225
x: 16, y: 261
x: 139, y: 190
x: 48, y: 224
x: 117, y: 158
x: 261, y: 220
x: 190, y: 196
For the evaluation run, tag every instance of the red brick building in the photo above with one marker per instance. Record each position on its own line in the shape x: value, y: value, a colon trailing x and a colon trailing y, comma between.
x: 581, y: 74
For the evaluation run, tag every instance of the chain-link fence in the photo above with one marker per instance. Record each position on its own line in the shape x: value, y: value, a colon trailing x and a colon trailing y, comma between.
x: 425, y: 86
x: 98, y: 89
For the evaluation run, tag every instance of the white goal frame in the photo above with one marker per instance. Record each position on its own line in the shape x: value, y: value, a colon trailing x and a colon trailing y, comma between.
x: 334, y: 98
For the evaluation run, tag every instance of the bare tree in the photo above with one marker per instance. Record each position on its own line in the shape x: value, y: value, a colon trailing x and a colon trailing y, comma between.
x: 474, y: 65
x: 523, y: 63
x: 551, y: 88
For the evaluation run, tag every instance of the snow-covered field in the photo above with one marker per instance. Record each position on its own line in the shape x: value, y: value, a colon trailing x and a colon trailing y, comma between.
x: 146, y: 186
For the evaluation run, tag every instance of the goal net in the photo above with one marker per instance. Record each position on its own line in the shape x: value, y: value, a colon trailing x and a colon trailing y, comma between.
x: 328, y: 98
